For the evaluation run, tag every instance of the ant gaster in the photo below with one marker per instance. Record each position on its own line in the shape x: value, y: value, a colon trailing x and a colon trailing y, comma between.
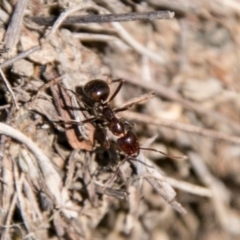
x: 99, y: 91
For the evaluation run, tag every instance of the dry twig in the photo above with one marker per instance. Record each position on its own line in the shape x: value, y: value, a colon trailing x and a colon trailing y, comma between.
x: 21, y: 55
x: 14, y: 28
x: 122, y: 17
x: 9, y: 88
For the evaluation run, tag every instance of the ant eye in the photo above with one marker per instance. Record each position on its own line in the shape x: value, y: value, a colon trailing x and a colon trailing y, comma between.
x: 98, y: 90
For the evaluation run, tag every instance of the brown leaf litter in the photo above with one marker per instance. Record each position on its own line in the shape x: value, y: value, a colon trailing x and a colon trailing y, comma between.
x: 58, y: 180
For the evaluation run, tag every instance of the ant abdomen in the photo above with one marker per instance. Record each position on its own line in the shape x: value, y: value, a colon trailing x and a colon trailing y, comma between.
x: 97, y: 90
x: 129, y: 144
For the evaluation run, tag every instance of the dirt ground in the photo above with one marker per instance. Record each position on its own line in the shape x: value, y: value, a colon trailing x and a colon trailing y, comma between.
x: 62, y: 178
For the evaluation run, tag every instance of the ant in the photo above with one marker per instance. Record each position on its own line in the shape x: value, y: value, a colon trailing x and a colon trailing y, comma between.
x: 98, y: 91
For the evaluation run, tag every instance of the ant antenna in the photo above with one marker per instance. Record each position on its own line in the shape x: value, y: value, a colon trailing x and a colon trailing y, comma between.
x: 117, y: 89
x: 165, y: 154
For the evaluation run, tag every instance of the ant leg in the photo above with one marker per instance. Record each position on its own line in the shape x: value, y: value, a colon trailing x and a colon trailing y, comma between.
x: 78, y: 97
x: 110, y: 181
x: 66, y: 123
x: 101, y: 137
x: 165, y: 154
x: 143, y: 163
x: 121, y: 109
x: 43, y: 88
x: 74, y: 122
x: 118, y: 88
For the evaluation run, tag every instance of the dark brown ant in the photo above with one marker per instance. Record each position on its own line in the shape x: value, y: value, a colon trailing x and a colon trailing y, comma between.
x: 98, y: 91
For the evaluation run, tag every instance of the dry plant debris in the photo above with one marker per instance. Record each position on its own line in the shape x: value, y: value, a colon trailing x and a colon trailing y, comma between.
x: 58, y: 181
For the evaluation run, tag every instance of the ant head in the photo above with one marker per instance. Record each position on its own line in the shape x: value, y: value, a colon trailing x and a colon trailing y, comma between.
x: 97, y: 90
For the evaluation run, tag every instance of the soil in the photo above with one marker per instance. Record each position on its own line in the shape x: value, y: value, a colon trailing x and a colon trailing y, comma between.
x: 65, y: 177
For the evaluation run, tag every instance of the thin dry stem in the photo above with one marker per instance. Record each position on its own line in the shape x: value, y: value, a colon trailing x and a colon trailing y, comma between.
x: 65, y: 14
x: 182, y: 185
x: 89, y: 37
x: 21, y: 55
x: 139, y: 48
x: 9, y: 88
x: 122, y: 17
x: 14, y: 28
x: 9, y: 216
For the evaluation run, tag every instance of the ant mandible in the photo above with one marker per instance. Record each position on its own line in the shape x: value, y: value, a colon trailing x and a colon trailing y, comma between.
x: 99, y: 91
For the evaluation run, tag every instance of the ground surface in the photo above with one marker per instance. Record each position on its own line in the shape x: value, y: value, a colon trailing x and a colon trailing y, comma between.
x: 58, y: 181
